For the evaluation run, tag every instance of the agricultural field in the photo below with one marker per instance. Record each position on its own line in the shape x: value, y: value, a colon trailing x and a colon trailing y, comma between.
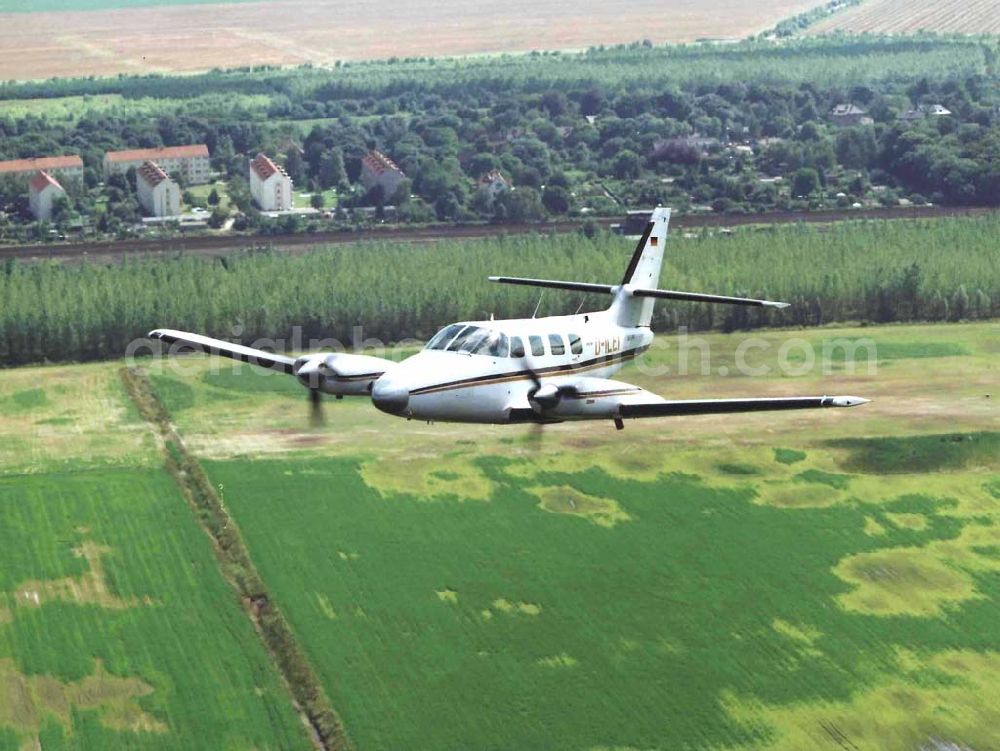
x: 908, y: 16
x: 117, y: 629
x: 107, y: 37
x: 820, y: 580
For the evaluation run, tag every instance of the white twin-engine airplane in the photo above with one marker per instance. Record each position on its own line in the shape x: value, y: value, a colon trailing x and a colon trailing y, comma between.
x: 529, y: 370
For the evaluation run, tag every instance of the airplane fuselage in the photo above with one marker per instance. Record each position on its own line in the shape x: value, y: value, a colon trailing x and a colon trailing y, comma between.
x: 450, y: 383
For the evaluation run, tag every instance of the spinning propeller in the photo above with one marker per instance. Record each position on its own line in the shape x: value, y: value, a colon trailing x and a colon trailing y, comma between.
x: 310, y: 372
x: 544, y: 397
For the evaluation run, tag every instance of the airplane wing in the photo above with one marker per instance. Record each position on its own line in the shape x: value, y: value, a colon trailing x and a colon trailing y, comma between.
x: 199, y: 343
x: 669, y: 408
x: 588, y: 398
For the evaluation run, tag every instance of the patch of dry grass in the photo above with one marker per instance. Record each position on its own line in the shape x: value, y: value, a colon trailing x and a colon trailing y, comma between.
x: 29, y: 699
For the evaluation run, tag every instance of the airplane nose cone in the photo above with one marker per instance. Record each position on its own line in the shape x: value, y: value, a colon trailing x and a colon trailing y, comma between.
x: 390, y: 398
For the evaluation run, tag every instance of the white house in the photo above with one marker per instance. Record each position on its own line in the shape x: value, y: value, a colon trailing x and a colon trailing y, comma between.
x: 43, y: 190
x: 270, y: 185
x: 158, y: 194
x: 850, y: 114
x: 925, y: 110
x: 378, y: 169
x: 189, y: 162
x: 494, y: 183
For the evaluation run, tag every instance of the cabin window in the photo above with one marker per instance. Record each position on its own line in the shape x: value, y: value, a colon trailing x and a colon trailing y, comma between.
x: 556, y: 344
x: 516, y: 347
x: 537, y: 348
x: 442, y: 338
x: 575, y: 344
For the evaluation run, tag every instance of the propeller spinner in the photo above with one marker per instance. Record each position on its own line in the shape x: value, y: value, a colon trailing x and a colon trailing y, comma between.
x: 544, y: 397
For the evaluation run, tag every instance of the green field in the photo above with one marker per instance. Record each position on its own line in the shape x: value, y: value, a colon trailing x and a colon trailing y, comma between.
x: 116, y: 628
x: 821, y: 580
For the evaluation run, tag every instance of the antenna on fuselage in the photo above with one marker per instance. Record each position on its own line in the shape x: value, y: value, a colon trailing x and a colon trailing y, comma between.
x: 535, y: 314
x: 580, y: 306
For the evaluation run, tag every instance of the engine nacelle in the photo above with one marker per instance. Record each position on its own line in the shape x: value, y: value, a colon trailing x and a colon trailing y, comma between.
x: 590, y: 398
x: 341, y: 373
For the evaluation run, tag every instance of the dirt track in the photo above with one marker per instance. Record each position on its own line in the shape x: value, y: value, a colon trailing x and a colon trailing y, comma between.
x: 221, y: 245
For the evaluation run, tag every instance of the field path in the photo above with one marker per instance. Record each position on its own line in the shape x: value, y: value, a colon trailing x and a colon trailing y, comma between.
x: 200, y: 37
x: 308, y: 695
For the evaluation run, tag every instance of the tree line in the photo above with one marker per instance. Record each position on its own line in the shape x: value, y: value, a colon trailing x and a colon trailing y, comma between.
x: 871, y: 271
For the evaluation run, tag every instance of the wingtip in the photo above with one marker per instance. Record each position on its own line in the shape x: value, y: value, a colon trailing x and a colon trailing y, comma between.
x: 770, y: 304
x: 849, y: 401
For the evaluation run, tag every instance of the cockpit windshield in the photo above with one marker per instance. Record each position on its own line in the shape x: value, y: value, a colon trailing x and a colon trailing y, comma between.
x: 443, y: 338
x: 474, y: 340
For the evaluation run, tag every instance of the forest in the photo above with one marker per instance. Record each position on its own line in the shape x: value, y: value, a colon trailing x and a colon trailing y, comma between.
x: 864, y: 271
x: 709, y: 127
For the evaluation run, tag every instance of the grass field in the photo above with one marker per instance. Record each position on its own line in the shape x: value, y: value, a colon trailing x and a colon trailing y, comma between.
x: 908, y: 16
x: 105, y: 37
x: 822, y: 580
x: 116, y: 628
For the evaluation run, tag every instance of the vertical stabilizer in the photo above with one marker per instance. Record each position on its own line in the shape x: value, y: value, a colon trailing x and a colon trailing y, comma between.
x: 643, y: 272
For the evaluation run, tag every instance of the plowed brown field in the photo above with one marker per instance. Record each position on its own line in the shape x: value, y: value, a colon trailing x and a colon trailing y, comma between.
x: 904, y: 16
x: 200, y: 37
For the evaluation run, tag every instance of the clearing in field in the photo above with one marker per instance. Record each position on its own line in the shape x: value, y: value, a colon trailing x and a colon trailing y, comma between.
x: 909, y: 16
x: 787, y: 582
x: 75, y: 38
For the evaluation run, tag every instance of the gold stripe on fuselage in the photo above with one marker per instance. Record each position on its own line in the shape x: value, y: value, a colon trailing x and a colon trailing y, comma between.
x: 523, y: 375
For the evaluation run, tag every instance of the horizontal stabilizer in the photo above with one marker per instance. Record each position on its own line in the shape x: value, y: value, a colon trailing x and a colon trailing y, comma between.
x: 669, y: 294
x: 725, y: 406
x: 207, y: 344
x: 663, y: 294
x: 605, y: 289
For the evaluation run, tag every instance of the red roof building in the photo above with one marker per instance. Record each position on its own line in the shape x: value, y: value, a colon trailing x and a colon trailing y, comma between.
x: 166, y: 152
x: 270, y: 185
x: 379, y: 170
x: 188, y: 162
x: 264, y: 167
x: 67, y: 166
x: 43, y: 180
x: 43, y: 189
x: 158, y: 194
x: 151, y: 173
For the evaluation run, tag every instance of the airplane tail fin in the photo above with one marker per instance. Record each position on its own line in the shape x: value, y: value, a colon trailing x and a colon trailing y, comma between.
x: 643, y: 272
x: 635, y: 295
